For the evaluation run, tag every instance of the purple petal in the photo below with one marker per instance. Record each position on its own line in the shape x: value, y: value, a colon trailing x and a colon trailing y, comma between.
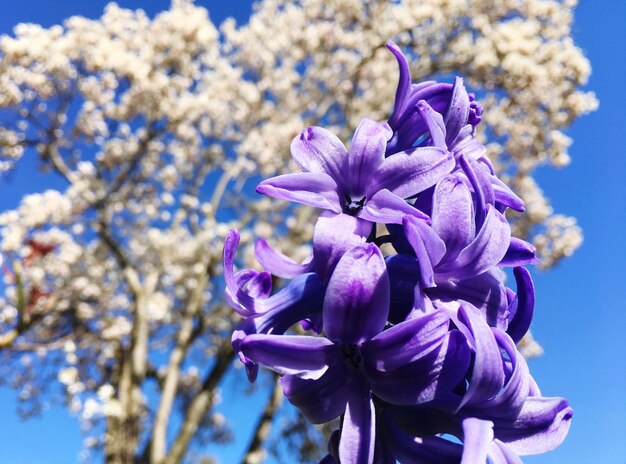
x: 240, y: 300
x: 318, y: 150
x: 438, y: 97
x: 333, y: 236
x: 485, y: 252
x: 519, y: 253
x: 258, y: 285
x: 485, y: 291
x: 523, y: 305
x: 414, y: 450
x: 320, y: 400
x: 453, y: 214
x: 277, y: 263
x: 428, y: 248
x: 404, y: 82
x: 481, y: 183
x: 541, y: 426
x: 356, y: 303
x: 303, y: 355
x: 358, y: 431
x: 487, y: 373
x: 465, y: 144
x: 505, y: 196
x: 420, y: 381
x: 477, y: 436
x: 405, y: 342
x: 458, y: 111
x: 367, y: 152
x: 434, y: 122
x: 499, y: 453
x: 409, y: 174
x: 387, y: 208
x: 514, y: 393
x: 313, y: 189
x: 305, y: 286
x: 301, y: 299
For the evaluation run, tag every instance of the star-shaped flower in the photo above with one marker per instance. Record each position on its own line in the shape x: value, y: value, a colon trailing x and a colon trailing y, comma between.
x: 359, y: 181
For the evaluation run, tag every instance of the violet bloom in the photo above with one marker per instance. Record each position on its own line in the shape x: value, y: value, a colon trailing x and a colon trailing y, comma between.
x: 248, y: 292
x: 459, y: 255
x: 459, y: 110
x: 497, y: 413
x: 360, y: 181
x: 410, y: 349
x: 410, y: 363
x: 458, y: 115
x: 333, y: 235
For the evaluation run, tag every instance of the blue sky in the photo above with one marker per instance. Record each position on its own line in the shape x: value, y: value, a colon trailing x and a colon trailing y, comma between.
x: 580, y: 314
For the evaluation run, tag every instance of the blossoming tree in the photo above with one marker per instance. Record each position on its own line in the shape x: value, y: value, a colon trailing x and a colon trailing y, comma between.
x: 158, y: 129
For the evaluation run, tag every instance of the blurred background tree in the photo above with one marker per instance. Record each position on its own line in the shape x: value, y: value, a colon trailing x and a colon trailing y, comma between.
x: 158, y: 129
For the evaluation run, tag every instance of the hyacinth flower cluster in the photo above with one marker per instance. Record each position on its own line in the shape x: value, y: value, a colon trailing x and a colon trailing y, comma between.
x: 415, y: 350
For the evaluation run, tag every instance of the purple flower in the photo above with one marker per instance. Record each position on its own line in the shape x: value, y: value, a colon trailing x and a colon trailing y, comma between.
x: 410, y: 363
x: 499, y: 415
x: 334, y: 234
x: 360, y: 181
x: 419, y: 346
x: 457, y: 114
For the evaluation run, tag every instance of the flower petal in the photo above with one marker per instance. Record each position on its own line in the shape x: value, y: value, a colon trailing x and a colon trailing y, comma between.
x: 313, y: 189
x: 458, y: 111
x: 477, y: 436
x: 409, y: 174
x: 434, y: 122
x: 404, y: 82
x: 300, y: 300
x: 245, y: 302
x: 277, y: 263
x: 320, y: 151
x: 487, y: 373
x: 428, y: 247
x: 511, y: 397
x: 499, y: 453
x: 541, y: 426
x: 387, y: 208
x: 333, y: 236
x: 259, y: 285
x: 453, y: 214
x: 505, y: 196
x: 420, y: 381
x: 301, y: 355
x: 367, y: 152
x: 358, y: 431
x: 415, y: 450
x: 405, y: 342
x: 320, y: 400
x: 485, y: 291
x: 523, y: 305
x: 519, y: 253
x: 356, y: 303
x: 485, y: 252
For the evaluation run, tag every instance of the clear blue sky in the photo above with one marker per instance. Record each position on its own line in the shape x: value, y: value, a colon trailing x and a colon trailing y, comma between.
x: 580, y: 315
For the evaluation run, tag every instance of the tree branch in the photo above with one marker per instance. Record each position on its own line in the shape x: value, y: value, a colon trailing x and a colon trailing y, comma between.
x: 200, y: 404
x: 170, y: 385
x: 256, y: 453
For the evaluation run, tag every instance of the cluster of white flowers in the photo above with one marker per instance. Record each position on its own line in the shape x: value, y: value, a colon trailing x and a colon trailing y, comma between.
x: 160, y: 128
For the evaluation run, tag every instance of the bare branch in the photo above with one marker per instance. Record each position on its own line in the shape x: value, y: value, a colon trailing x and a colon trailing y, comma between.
x: 256, y: 453
x: 200, y: 404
